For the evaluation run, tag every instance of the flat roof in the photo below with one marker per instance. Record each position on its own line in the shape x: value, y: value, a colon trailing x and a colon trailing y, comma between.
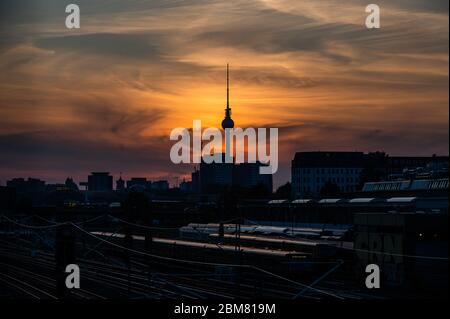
x: 278, y: 201
x: 401, y: 199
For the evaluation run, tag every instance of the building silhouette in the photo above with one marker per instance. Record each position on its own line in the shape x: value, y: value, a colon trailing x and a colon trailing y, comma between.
x: 213, y: 176
x: 120, y: 184
x: 312, y: 173
x: 186, y: 186
x: 161, y: 185
x: 195, y: 178
x: 31, y: 185
x: 247, y: 175
x: 100, y: 181
x: 139, y: 182
x: 70, y: 184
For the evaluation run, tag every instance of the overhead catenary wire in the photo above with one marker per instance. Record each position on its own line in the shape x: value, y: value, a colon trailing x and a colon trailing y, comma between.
x: 56, y: 224
x: 114, y: 218
x: 157, y: 228
x: 383, y: 252
x: 79, y: 223
x: 161, y: 228
x: 346, y: 248
x: 194, y: 262
x: 33, y: 226
x: 395, y: 254
x: 53, y: 224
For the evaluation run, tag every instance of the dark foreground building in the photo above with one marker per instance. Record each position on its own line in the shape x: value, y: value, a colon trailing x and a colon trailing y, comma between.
x: 313, y: 173
x: 411, y: 249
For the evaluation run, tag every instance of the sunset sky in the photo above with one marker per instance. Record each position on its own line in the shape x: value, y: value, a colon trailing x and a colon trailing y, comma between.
x: 106, y: 96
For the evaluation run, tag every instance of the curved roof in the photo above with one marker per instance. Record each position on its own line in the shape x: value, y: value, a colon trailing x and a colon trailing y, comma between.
x: 362, y: 200
x: 302, y: 201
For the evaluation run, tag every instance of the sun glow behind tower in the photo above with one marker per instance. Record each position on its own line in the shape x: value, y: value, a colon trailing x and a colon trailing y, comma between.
x: 228, y: 124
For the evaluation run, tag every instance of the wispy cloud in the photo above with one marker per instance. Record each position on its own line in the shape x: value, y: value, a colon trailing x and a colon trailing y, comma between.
x: 107, y: 95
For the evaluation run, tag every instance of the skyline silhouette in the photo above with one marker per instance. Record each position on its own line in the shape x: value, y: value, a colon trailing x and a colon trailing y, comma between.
x: 106, y: 96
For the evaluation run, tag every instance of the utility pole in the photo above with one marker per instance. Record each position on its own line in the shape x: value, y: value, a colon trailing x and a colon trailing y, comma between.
x: 128, y: 240
x: 221, y: 232
x: 64, y: 255
x: 238, y: 248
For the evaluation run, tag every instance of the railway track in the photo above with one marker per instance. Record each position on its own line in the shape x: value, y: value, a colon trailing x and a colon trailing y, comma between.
x: 142, y: 277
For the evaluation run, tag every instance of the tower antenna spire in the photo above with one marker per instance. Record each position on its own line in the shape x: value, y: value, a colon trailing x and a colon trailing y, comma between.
x: 228, y: 87
x: 227, y: 121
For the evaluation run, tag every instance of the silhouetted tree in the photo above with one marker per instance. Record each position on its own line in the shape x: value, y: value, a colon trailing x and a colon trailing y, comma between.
x: 284, y: 191
x: 228, y: 202
x: 375, y: 168
x: 136, y: 206
x: 329, y: 189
